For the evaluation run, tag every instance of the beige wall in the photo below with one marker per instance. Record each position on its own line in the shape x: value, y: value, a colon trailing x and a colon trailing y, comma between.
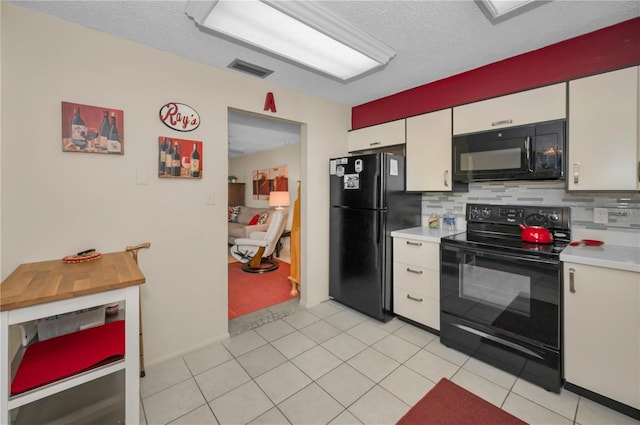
x: 243, y: 166
x: 55, y: 203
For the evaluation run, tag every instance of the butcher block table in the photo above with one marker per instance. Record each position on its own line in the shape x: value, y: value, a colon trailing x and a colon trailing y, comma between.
x: 47, y: 288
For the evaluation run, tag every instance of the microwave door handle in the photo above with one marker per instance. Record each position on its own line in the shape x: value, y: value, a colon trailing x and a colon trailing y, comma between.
x: 527, y: 150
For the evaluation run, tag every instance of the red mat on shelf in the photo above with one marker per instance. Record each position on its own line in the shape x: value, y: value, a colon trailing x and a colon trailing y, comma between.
x: 449, y: 404
x: 60, y: 357
x: 250, y: 292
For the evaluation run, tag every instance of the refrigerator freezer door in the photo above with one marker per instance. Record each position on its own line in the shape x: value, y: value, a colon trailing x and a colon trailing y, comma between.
x: 358, y: 264
x: 356, y: 181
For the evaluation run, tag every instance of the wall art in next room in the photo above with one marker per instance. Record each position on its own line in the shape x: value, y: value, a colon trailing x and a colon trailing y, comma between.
x: 268, y: 180
x: 92, y: 129
x: 179, y: 158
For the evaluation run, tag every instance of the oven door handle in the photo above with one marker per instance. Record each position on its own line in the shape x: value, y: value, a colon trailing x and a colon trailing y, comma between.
x: 502, y: 257
x: 497, y: 340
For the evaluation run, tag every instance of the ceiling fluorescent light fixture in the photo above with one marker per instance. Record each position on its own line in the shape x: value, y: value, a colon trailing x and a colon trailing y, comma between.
x: 498, y: 9
x: 301, y: 31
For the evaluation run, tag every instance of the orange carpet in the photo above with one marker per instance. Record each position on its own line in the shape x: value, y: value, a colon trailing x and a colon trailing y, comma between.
x: 449, y: 404
x: 250, y: 292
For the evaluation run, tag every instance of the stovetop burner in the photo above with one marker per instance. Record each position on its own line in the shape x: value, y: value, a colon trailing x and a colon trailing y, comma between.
x: 498, y: 227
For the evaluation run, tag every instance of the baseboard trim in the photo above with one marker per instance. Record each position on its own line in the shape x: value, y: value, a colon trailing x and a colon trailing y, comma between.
x: 605, y: 401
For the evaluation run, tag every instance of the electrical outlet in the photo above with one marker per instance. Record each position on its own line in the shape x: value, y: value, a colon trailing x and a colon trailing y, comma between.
x: 601, y: 215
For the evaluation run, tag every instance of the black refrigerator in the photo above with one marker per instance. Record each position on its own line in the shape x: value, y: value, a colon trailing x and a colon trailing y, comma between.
x: 368, y: 201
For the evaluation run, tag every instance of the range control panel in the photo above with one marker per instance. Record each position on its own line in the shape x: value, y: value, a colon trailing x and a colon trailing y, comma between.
x: 550, y: 217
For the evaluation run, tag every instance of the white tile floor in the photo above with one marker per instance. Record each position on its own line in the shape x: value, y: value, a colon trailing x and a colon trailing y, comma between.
x: 330, y: 364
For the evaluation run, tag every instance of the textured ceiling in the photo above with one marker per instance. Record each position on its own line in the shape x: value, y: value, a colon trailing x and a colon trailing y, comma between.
x: 433, y: 39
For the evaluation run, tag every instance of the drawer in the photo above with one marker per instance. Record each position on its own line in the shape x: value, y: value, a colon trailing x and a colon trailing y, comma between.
x: 417, y: 308
x: 418, y: 253
x: 417, y: 280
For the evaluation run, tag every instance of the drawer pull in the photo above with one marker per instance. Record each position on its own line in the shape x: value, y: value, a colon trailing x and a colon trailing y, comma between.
x: 572, y: 283
x: 414, y: 243
x: 410, y: 270
x: 509, y: 121
x: 375, y: 143
x: 414, y: 299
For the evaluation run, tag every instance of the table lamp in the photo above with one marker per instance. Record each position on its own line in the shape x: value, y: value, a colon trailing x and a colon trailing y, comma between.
x: 279, y: 199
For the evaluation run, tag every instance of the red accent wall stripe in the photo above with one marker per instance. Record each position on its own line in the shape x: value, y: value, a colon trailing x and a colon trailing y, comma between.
x: 609, y: 48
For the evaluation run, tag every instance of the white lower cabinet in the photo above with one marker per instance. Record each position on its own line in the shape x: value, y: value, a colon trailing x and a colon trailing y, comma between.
x: 602, y: 331
x: 416, y: 281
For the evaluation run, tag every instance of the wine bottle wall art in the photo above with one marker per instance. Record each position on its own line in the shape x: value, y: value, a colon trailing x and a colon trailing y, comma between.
x: 92, y: 129
x: 179, y: 158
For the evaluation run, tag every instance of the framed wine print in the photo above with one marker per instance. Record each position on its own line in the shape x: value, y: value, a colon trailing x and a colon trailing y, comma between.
x: 92, y: 129
x: 179, y: 158
x: 269, y: 180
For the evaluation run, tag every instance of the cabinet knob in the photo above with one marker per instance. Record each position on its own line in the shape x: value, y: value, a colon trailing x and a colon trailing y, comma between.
x: 414, y: 243
x: 410, y: 270
x: 576, y: 172
x: 446, y: 180
x: 375, y: 143
x: 414, y: 298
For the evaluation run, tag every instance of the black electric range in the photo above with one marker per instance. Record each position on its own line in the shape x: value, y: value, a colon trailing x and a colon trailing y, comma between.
x: 500, y: 297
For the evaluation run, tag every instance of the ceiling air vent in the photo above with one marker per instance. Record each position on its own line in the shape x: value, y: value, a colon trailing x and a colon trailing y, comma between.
x: 249, y: 68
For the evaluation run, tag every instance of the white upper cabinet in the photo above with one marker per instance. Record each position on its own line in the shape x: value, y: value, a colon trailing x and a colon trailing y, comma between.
x: 527, y: 107
x: 377, y: 136
x: 428, y: 152
x: 603, y: 137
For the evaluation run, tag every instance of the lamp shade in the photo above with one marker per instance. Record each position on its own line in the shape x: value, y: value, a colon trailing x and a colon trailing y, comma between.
x: 279, y: 199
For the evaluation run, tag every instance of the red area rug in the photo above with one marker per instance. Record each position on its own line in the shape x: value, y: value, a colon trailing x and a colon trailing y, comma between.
x: 250, y: 292
x: 449, y: 404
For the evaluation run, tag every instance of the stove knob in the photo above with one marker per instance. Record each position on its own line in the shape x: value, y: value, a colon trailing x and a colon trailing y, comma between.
x: 553, y: 217
x: 474, y: 212
x: 486, y: 213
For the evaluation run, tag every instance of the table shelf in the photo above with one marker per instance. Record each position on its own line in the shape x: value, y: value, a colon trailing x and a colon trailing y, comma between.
x: 44, y: 289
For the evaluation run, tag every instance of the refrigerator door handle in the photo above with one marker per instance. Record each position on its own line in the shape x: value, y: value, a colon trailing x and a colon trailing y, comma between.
x: 378, y: 193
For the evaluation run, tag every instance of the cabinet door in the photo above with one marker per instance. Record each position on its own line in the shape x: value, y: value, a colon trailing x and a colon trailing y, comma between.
x: 428, y: 152
x: 602, y: 331
x: 531, y: 106
x: 377, y: 136
x: 603, y: 131
x: 236, y: 194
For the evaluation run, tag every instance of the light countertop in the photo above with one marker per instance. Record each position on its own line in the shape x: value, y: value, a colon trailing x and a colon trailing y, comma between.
x: 612, y: 256
x: 425, y: 234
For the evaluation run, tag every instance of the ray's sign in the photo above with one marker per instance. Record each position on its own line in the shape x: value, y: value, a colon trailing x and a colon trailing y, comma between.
x: 179, y: 116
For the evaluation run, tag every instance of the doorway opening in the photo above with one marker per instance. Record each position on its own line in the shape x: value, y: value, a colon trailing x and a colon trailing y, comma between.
x: 265, y: 156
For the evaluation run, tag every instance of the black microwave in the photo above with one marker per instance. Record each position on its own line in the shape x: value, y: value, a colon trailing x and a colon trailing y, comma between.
x: 527, y: 152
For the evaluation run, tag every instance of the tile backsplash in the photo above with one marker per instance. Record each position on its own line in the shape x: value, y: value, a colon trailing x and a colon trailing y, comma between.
x: 623, y: 209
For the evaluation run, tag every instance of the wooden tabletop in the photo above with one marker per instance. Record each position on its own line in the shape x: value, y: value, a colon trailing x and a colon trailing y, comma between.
x: 47, y: 281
